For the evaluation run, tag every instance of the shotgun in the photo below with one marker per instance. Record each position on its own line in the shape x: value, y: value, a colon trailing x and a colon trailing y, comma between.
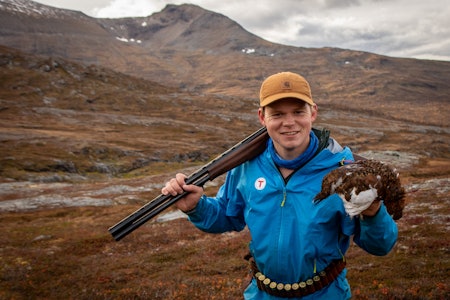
x: 248, y: 148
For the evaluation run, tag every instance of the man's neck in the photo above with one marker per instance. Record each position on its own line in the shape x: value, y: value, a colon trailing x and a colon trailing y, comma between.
x: 285, y: 172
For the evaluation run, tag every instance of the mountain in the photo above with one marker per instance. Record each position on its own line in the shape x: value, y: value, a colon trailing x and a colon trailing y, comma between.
x: 139, y: 46
x: 198, y: 50
x: 106, y: 92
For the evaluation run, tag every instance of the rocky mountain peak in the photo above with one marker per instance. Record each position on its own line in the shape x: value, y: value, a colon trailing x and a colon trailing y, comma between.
x: 184, y: 26
x: 34, y: 9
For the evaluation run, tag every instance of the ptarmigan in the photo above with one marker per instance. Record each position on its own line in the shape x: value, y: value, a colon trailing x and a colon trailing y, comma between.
x: 359, y: 183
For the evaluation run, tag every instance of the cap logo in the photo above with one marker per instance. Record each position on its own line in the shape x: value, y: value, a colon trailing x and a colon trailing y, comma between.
x: 286, y: 85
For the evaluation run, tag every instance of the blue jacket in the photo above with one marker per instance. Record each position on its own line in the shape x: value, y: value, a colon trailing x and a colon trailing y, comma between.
x: 292, y: 236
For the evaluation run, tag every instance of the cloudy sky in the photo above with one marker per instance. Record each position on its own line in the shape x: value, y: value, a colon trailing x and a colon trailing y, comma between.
x: 400, y: 28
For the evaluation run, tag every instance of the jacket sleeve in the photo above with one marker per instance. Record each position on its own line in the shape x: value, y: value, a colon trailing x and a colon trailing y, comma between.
x: 220, y: 214
x: 378, y: 234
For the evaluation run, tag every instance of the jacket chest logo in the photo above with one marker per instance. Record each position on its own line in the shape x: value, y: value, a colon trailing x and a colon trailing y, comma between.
x: 260, y: 183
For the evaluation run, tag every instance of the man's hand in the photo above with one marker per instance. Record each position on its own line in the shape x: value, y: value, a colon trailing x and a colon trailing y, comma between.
x: 176, y: 186
x: 372, y: 209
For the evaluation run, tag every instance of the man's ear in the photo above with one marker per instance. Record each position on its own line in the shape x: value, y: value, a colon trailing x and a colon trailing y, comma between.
x: 314, y: 110
x: 261, y: 116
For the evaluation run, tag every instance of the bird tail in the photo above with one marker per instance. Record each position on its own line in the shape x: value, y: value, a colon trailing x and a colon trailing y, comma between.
x: 319, y: 197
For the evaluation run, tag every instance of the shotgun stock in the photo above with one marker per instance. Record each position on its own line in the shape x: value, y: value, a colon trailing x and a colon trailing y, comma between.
x: 249, y: 148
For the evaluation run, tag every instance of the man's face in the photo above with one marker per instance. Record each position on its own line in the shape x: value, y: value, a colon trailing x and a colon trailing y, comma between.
x: 288, y: 122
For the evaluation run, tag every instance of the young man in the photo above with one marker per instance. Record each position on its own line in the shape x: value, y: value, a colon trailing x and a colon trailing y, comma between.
x: 297, y: 247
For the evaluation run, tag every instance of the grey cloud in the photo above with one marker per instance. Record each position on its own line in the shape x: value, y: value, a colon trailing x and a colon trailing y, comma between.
x: 329, y: 4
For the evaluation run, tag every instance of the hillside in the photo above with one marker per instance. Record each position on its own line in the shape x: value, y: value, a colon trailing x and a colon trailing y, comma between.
x: 88, y: 119
x: 84, y: 146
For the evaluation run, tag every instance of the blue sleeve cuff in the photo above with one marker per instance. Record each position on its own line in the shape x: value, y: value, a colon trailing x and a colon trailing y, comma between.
x: 378, y: 217
x: 195, y: 214
x: 378, y: 233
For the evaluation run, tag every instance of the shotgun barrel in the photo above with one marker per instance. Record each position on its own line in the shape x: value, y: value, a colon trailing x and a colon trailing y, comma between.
x: 248, y: 148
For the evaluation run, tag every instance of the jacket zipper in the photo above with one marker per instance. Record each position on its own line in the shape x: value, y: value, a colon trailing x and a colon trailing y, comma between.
x: 284, y: 197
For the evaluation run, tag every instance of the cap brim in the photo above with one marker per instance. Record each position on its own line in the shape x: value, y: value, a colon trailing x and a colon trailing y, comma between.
x: 277, y: 97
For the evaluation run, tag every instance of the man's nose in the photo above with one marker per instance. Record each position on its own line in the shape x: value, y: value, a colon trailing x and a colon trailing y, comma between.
x: 288, y: 119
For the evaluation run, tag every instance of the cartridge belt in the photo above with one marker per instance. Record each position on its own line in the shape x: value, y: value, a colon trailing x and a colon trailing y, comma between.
x: 301, y: 288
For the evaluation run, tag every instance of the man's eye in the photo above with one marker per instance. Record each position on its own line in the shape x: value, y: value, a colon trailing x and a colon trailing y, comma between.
x: 275, y: 116
x: 300, y: 112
